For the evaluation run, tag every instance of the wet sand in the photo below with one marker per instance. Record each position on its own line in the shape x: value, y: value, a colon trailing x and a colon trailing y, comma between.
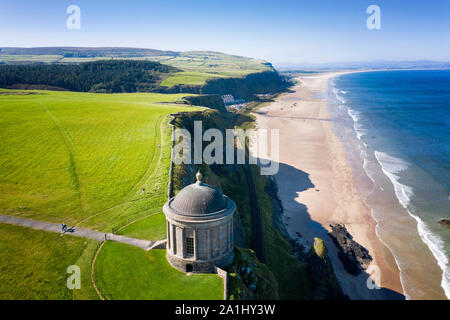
x: 317, y: 187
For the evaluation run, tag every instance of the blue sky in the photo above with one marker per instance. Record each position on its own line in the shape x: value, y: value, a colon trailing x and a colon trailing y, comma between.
x: 279, y: 31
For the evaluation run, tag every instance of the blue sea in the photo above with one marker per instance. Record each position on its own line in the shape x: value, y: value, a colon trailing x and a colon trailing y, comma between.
x: 395, y: 126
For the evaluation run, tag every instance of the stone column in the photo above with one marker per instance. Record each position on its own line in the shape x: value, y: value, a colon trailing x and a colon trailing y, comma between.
x: 232, y: 234
x: 174, y: 239
x: 195, y: 245
x: 168, y: 235
x: 228, y: 236
x: 182, y: 241
x: 219, y: 240
x: 208, y: 240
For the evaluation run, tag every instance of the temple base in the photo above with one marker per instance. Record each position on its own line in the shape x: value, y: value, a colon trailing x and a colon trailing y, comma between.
x: 187, y: 265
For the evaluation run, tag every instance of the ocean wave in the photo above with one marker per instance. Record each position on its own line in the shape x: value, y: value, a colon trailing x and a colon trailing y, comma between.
x: 366, y: 169
x: 343, y: 92
x: 391, y: 167
x: 436, y: 246
x: 338, y: 97
x: 357, y: 126
x: 355, y: 115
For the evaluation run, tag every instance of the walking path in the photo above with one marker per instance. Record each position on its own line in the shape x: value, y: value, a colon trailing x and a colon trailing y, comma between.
x: 81, y: 232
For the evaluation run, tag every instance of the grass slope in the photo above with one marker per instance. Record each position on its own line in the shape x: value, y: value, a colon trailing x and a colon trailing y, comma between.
x: 123, y: 272
x: 188, y: 77
x: 84, y: 158
x: 149, y: 228
x: 33, y: 264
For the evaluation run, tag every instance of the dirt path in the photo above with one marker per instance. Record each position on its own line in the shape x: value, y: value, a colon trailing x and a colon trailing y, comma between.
x: 79, y: 232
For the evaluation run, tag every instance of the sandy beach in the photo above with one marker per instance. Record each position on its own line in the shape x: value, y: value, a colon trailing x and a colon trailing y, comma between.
x: 317, y: 186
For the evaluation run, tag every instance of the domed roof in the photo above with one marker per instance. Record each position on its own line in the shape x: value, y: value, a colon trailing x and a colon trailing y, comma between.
x: 198, y: 199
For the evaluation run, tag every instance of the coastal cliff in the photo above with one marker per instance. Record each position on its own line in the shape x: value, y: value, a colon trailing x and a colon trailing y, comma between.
x: 249, y: 279
x: 278, y: 268
x: 240, y: 88
x: 124, y: 76
x: 213, y: 101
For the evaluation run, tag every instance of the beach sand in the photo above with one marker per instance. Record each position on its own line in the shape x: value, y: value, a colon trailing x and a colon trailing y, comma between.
x: 317, y: 187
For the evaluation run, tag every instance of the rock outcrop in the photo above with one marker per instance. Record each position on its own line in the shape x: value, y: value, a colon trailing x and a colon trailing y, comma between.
x: 354, y: 256
x: 326, y: 286
x: 249, y: 279
x: 445, y: 222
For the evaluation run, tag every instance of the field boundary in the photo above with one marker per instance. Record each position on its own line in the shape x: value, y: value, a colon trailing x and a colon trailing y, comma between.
x: 92, y: 271
x: 156, y: 158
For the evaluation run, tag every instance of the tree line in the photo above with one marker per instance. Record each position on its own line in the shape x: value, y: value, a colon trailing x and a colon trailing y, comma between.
x: 110, y: 76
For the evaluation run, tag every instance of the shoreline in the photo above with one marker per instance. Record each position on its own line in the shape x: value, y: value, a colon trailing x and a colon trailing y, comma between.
x: 375, y: 168
x: 317, y: 187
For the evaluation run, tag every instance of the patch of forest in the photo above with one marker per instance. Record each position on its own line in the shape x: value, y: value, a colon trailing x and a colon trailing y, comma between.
x: 110, y: 76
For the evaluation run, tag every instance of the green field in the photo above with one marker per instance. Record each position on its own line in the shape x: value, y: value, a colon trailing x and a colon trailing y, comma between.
x: 84, y: 158
x: 199, y: 66
x: 33, y: 264
x: 188, y: 77
x: 123, y: 272
x: 12, y: 58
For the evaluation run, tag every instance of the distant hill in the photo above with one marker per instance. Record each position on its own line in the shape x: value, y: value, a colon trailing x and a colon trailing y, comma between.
x: 86, y: 52
x: 379, y: 64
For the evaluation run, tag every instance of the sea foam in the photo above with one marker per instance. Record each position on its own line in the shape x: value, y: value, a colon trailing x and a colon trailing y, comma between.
x: 338, y: 97
x: 436, y: 246
x: 391, y: 167
x: 357, y: 126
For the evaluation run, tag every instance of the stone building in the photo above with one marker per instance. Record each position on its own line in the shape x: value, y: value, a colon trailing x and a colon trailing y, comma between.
x: 199, y: 228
